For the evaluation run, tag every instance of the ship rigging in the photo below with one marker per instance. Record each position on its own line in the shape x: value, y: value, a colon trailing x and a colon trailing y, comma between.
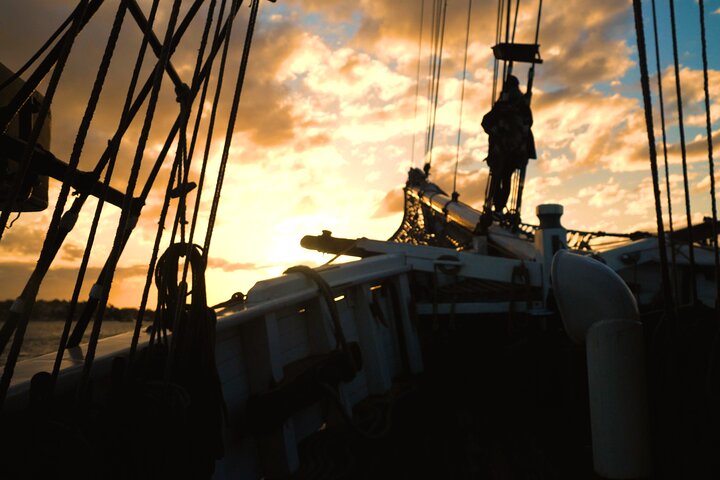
x: 551, y: 355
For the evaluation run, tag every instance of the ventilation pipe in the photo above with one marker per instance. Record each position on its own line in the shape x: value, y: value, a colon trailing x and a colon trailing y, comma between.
x: 599, y: 310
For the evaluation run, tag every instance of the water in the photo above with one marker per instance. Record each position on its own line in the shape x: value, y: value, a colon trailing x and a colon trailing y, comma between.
x: 43, y: 337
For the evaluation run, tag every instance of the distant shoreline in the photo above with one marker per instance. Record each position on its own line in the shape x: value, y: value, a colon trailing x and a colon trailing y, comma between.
x: 57, y: 310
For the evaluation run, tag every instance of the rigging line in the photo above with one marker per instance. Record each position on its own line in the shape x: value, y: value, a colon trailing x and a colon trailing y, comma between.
x: 20, y: 320
x: 31, y: 84
x: 198, y: 65
x: 645, y: 82
x: 433, y: 76
x: 681, y: 126
x: 189, y: 152
x: 151, y: 267
x: 226, y: 150
x: 210, y: 128
x: 166, y: 202
x: 708, y: 125
x: 417, y: 82
x: 123, y: 126
x: 507, y: 40
x: 462, y: 96
x: 41, y: 50
x: 148, y: 32
x: 496, y: 63
x: 517, y: 10
x: 40, y: 121
x: 661, y: 101
x: 75, y: 339
x: 126, y: 218
x: 179, y: 165
x: 208, y: 139
x: 81, y: 274
x: 231, y: 125
x: 87, y: 117
x: 32, y: 286
x: 114, y: 148
x: 432, y: 62
x: 105, y: 64
x: 437, y: 84
x: 49, y: 253
x: 537, y: 26
x: 531, y: 72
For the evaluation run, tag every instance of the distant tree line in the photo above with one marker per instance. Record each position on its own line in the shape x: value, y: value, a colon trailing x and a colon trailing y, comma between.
x: 57, y: 310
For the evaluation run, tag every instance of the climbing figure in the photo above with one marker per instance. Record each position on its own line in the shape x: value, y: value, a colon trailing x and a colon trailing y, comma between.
x: 511, y: 141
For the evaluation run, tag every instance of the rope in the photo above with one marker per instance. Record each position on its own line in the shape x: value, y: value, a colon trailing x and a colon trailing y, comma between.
x: 498, y: 30
x: 74, y: 159
x: 645, y: 82
x: 665, y: 153
x: 327, y: 294
x: 189, y: 152
x: 432, y: 64
x: 41, y: 117
x: 184, y: 153
x: 211, y: 124
x: 462, y: 97
x: 231, y: 123
x: 211, y: 127
x: 437, y: 84
x: 190, y: 362
x: 158, y: 236
x: 537, y: 26
x: 125, y: 224
x: 517, y: 10
x: 417, y: 83
x: 96, y: 220
x: 166, y: 201
x: 507, y: 40
x: 114, y: 147
x: 708, y: 125
x: 50, y: 249
x: 92, y: 303
x: 681, y: 126
x: 19, y: 321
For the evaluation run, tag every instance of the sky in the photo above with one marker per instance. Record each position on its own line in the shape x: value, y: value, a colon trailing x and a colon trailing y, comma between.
x: 325, y: 131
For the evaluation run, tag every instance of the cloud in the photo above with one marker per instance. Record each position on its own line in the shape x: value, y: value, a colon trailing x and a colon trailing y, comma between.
x: 326, y: 122
x: 23, y: 238
x: 391, y: 203
x: 693, y: 95
x: 230, y: 266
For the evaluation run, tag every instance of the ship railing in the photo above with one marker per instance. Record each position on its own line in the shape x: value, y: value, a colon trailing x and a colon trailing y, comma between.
x: 286, y: 320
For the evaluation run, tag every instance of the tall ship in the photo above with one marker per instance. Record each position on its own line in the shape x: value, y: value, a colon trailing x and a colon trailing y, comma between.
x: 475, y: 342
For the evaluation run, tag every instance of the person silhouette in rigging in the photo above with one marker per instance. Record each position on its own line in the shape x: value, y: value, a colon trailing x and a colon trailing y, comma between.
x: 511, y: 142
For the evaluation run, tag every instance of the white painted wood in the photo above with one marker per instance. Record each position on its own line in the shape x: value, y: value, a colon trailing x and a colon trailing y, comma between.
x: 389, y: 333
x: 262, y: 351
x: 412, y: 340
x: 284, y: 320
x: 428, y: 259
x: 375, y: 359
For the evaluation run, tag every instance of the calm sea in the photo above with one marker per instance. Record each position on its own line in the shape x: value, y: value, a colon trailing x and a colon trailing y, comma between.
x: 43, y: 336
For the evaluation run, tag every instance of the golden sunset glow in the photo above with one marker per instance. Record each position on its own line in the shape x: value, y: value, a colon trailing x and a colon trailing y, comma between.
x: 325, y: 130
